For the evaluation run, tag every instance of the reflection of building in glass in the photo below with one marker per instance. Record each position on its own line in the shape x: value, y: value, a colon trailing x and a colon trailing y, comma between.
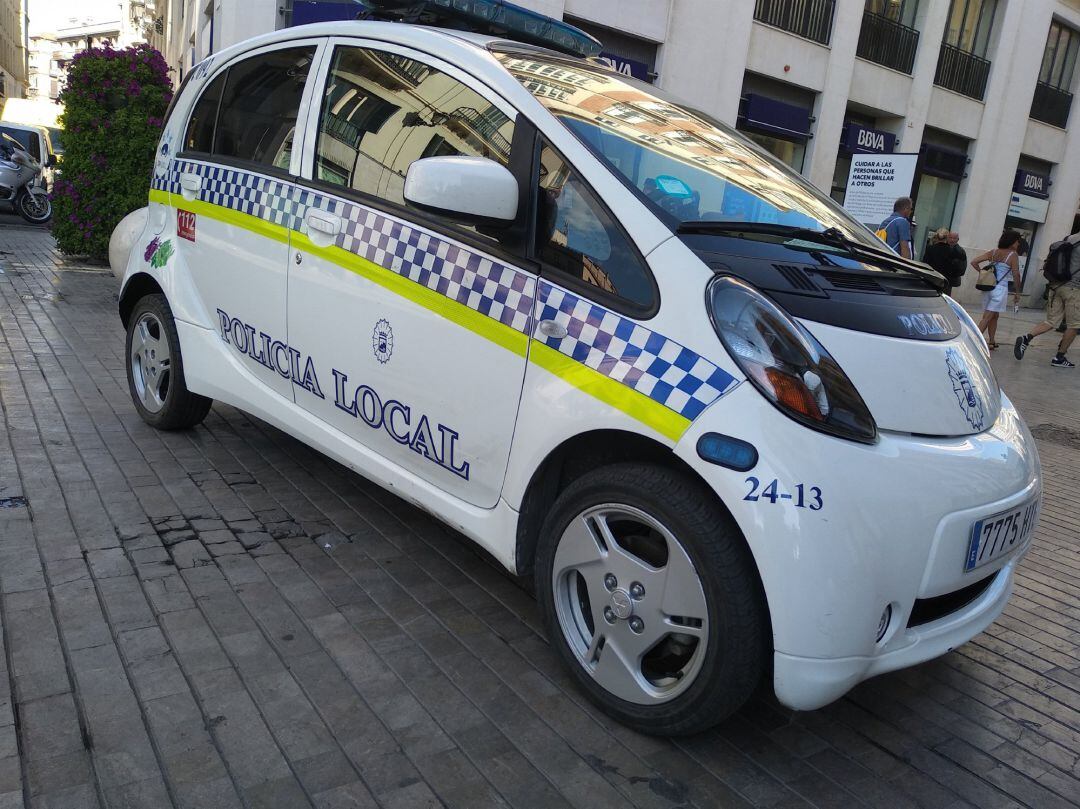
x: 627, y: 110
x: 382, y: 111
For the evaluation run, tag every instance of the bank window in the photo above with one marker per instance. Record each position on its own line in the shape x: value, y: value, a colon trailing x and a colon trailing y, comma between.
x: 382, y: 111
x: 901, y: 11
x: 970, y: 24
x: 1059, y: 58
x: 260, y: 101
x: 578, y: 237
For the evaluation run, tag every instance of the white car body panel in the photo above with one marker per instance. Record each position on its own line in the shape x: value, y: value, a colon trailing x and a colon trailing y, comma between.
x: 895, y: 515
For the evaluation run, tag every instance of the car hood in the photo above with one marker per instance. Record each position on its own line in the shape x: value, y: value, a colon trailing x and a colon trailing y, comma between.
x: 942, y: 388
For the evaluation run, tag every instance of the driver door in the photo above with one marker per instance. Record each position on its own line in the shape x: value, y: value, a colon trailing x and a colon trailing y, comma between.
x: 417, y: 326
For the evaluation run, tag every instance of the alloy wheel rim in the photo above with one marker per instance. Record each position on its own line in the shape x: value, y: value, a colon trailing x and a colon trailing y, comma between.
x: 630, y: 604
x: 36, y: 208
x: 151, y: 362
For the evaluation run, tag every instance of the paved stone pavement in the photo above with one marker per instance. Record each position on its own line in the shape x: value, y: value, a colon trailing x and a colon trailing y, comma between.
x: 225, y: 618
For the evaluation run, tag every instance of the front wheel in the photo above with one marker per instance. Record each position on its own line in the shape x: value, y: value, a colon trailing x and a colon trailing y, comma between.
x: 155, y: 369
x: 652, y: 599
x: 35, y: 208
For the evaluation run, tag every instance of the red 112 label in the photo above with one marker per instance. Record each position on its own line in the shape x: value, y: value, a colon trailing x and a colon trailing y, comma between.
x: 185, y: 225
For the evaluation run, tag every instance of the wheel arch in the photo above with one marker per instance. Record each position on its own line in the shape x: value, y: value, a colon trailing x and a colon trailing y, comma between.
x: 573, y: 458
x: 138, y: 286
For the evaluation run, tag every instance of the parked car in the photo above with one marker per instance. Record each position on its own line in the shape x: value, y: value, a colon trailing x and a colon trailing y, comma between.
x: 509, y: 285
x: 38, y: 144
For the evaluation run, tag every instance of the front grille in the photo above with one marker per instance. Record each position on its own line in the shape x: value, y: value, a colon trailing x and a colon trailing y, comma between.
x: 926, y: 610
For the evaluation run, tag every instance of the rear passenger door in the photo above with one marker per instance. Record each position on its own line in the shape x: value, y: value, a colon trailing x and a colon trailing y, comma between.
x: 235, y: 202
x: 419, y: 324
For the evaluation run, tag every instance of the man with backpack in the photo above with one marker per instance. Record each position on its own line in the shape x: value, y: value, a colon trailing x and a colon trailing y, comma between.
x: 895, y: 231
x: 1062, y: 271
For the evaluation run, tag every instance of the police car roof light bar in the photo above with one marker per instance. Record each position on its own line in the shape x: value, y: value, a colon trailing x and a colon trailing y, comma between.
x: 495, y: 17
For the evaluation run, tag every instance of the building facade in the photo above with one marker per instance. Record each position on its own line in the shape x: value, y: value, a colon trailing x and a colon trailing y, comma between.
x: 134, y: 22
x: 14, y: 42
x: 980, y: 90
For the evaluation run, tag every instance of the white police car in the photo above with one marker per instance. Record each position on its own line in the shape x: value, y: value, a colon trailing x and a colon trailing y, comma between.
x: 601, y: 335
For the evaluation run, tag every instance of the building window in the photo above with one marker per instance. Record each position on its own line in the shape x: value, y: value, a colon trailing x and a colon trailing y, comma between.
x: 888, y: 36
x: 970, y: 22
x: 806, y: 18
x: 1053, y: 100
x: 900, y: 11
x: 962, y: 64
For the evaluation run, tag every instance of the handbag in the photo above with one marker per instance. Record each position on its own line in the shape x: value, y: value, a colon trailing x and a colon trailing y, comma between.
x: 987, y: 278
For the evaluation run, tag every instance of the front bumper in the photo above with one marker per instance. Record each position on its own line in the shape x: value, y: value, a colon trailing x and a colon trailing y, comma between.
x: 892, y: 530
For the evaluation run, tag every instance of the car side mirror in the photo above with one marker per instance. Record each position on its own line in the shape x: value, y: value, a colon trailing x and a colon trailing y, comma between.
x: 469, y: 189
x: 50, y: 161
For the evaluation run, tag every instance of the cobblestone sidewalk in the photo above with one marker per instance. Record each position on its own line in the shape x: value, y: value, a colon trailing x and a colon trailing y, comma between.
x: 225, y: 618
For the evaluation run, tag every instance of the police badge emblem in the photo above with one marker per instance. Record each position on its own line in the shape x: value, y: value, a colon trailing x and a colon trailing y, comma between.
x: 382, y: 341
x: 966, y: 396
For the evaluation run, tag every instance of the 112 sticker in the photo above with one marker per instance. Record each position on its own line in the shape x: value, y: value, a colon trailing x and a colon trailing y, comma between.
x: 803, y: 497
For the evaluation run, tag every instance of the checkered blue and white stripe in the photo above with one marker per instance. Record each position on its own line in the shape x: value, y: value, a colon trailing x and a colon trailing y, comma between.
x: 615, y: 346
x: 472, y: 279
x: 627, y: 352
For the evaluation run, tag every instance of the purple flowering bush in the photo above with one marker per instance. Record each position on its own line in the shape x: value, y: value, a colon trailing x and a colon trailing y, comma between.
x: 114, y: 105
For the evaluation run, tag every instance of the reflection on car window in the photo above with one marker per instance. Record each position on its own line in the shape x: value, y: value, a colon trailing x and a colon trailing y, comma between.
x: 259, y: 102
x: 689, y: 165
x: 382, y: 111
x: 576, y: 235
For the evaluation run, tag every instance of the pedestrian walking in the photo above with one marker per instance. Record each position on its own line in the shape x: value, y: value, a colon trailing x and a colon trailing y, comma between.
x: 1003, y: 262
x: 1062, y: 306
x: 895, y: 231
x: 939, y: 255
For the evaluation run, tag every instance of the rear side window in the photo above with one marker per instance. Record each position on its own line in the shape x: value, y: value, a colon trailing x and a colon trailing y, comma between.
x: 200, y: 130
x: 576, y: 235
x: 249, y: 112
x: 381, y: 111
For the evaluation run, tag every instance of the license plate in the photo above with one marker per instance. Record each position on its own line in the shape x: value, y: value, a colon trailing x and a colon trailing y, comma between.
x: 993, y: 537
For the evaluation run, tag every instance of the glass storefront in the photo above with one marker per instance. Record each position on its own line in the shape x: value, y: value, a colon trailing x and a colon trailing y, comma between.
x: 934, y: 208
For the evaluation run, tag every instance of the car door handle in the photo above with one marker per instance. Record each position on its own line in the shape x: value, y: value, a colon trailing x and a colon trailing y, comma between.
x: 550, y: 328
x: 190, y: 185
x: 322, y: 222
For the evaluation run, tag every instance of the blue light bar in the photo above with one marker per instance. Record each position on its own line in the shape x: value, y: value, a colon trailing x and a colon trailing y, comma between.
x: 495, y: 17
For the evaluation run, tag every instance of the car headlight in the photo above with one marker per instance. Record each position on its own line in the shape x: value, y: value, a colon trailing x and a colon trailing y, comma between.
x: 784, y: 361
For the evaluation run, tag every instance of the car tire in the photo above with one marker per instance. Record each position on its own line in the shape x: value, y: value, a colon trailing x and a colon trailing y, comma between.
x: 633, y: 547
x: 155, y: 368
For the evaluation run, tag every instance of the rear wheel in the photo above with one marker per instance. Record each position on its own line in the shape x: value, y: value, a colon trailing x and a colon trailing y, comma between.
x: 652, y: 599
x: 155, y: 369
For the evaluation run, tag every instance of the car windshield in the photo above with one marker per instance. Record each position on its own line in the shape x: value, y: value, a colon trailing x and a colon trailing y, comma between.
x: 689, y: 165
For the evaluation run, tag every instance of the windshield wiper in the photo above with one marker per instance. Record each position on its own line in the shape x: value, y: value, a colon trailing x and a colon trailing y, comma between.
x: 832, y: 237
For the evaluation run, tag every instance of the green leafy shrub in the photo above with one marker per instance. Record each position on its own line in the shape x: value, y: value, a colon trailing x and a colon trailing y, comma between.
x: 114, y: 105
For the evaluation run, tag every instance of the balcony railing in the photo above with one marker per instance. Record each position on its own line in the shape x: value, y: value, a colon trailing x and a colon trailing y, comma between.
x: 1051, y: 105
x: 962, y: 72
x: 887, y: 42
x: 807, y: 18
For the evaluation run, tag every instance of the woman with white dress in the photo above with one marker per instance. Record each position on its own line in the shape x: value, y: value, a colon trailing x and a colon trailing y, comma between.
x: 1006, y: 267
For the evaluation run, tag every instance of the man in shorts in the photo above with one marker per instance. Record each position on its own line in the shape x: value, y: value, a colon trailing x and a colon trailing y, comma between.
x: 1062, y: 303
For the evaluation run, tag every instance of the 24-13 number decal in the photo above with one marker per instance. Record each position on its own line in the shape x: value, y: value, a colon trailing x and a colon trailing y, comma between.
x: 804, y: 496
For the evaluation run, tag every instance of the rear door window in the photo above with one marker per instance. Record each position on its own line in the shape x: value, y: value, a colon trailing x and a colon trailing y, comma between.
x: 249, y: 112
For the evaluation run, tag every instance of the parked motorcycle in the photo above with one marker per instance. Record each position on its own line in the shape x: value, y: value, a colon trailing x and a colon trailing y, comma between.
x: 20, y: 182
